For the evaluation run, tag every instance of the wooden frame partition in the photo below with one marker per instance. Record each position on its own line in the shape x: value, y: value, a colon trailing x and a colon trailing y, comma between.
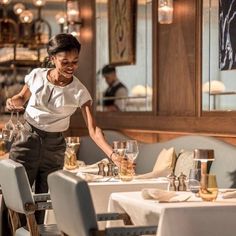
x: 177, y: 73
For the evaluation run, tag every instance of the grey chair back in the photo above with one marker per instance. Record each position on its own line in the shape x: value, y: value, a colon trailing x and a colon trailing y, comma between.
x: 15, y: 186
x: 72, y: 204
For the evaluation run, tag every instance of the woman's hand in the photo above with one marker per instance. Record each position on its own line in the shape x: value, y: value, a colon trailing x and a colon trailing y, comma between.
x: 116, y: 159
x: 11, y: 105
x: 17, y: 102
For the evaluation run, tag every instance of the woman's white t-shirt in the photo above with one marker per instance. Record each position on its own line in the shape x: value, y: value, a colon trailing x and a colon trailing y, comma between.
x: 50, y: 107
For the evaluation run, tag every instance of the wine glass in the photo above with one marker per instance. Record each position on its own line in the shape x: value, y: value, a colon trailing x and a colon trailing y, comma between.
x: 208, y: 190
x: 194, y: 180
x: 131, y: 150
x: 8, y: 130
x: 18, y: 126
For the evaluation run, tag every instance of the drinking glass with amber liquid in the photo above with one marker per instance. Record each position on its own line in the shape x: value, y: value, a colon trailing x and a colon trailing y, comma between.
x: 126, y: 170
x: 208, y: 190
x: 2, y: 146
x: 72, y: 147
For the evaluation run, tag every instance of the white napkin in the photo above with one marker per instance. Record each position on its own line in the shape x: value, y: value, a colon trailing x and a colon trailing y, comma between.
x: 89, y: 177
x: 230, y: 194
x: 164, y: 195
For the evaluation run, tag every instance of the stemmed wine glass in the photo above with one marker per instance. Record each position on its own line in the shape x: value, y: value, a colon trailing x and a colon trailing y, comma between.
x: 8, y: 130
x: 131, y: 150
x: 19, y: 126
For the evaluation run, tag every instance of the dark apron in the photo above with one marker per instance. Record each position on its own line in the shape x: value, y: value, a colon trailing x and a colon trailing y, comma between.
x: 41, y: 153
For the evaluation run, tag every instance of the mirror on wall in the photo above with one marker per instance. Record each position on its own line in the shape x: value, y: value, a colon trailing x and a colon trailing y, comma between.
x: 133, y: 90
x: 219, y: 56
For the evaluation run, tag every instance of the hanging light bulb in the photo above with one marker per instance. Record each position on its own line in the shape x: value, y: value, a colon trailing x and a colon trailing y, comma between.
x: 61, y: 19
x: 18, y: 8
x: 39, y: 3
x: 5, y: 2
x: 165, y: 11
x: 26, y: 17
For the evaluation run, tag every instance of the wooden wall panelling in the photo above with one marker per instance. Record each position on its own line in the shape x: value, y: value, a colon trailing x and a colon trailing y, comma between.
x: 87, y: 59
x: 176, y: 79
x: 176, y: 62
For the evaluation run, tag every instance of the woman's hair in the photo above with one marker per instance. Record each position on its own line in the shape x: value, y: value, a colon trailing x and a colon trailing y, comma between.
x: 60, y: 43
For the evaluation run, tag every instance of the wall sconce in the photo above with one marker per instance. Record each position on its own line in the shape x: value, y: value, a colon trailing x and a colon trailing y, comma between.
x: 74, y: 21
x: 165, y: 11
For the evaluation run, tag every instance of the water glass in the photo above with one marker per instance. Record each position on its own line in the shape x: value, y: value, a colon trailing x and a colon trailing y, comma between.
x: 2, y: 146
x: 72, y: 146
x: 125, y: 170
x: 119, y: 148
x: 194, y: 180
x: 208, y: 190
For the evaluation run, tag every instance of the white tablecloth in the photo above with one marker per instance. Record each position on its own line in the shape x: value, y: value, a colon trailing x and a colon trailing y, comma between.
x: 192, y: 218
x: 101, y: 192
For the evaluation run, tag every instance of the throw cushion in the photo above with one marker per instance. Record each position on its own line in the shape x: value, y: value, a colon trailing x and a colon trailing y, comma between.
x: 184, y: 163
x: 164, y: 164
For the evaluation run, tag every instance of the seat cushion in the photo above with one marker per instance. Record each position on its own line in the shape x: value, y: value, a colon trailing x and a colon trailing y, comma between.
x: 44, y: 230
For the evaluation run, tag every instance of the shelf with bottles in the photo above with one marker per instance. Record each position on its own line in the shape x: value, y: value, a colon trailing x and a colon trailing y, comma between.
x: 20, y: 56
x: 11, y: 82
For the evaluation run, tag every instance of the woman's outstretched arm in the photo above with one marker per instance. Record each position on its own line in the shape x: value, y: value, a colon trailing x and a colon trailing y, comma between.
x: 96, y: 133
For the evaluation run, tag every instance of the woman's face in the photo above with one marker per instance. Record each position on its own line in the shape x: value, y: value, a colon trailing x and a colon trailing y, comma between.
x: 66, y: 63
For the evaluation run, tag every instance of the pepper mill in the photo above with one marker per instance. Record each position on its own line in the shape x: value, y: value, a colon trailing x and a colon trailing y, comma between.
x: 182, y: 185
x: 101, y: 170
x: 110, y: 167
x: 171, y: 185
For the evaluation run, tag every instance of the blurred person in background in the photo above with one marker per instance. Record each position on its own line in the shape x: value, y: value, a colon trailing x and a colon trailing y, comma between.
x: 116, y: 94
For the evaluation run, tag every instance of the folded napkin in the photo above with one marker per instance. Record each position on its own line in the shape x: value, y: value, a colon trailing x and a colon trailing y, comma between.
x: 164, y: 195
x: 89, y: 177
x: 229, y: 194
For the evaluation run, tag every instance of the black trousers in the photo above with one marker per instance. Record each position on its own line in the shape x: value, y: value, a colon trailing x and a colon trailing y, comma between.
x: 41, y: 153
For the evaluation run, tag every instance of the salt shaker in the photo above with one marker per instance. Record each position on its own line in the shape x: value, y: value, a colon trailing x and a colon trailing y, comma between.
x: 171, y: 185
x: 182, y: 185
x: 101, y: 170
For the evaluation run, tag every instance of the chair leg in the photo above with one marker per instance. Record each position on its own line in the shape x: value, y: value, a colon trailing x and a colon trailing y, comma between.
x: 15, y: 220
x: 32, y: 225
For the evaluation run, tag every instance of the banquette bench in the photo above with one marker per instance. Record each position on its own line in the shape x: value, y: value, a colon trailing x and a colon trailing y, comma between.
x: 224, y: 165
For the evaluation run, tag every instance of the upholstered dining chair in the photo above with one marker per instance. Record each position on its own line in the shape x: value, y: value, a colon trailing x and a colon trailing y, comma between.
x: 74, y: 210
x: 19, y: 199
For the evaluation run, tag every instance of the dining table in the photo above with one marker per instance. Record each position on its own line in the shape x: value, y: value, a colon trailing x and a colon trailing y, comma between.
x: 102, y: 188
x: 192, y: 217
